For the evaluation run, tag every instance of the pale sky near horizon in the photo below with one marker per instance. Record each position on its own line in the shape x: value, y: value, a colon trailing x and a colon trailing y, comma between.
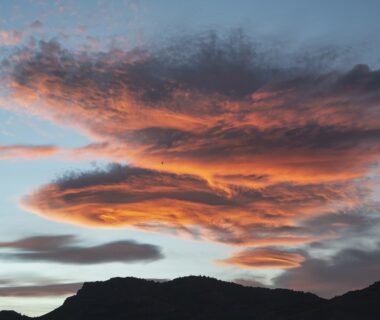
x: 270, y: 178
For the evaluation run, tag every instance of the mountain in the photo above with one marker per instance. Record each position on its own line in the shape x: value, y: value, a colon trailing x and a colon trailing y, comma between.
x: 11, y: 315
x: 201, y: 298
x: 354, y: 305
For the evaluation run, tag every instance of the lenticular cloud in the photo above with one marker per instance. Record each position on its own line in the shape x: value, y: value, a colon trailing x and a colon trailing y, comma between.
x: 223, y: 143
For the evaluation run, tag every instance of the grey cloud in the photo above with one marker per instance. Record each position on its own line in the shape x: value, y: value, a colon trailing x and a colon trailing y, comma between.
x: 60, y: 289
x: 140, y: 182
x: 206, y: 63
x: 36, y: 25
x: 347, y: 270
x: 40, y: 243
x: 249, y: 282
x: 356, y: 221
x: 62, y: 249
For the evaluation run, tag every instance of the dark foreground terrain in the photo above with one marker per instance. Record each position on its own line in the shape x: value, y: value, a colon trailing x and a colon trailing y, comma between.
x: 204, y: 298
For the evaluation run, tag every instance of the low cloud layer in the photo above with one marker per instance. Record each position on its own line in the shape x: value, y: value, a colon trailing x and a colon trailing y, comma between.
x: 64, y: 249
x: 48, y: 290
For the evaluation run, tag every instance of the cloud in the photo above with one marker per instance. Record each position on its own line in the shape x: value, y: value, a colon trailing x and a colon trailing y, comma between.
x: 361, y: 221
x: 225, y: 142
x: 248, y: 282
x: 120, y: 196
x: 264, y: 258
x: 40, y: 243
x: 60, y: 289
x: 13, y: 38
x: 349, y: 269
x: 26, y: 151
x: 10, y: 38
x: 207, y: 106
x: 36, y: 25
x: 62, y: 249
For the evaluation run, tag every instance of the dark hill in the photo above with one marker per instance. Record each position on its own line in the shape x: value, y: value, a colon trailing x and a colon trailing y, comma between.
x: 361, y: 304
x: 11, y: 315
x: 201, y: 298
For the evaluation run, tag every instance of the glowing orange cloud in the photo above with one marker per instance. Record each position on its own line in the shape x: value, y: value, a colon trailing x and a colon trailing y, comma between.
x: 264, y: 258
x: 304, y: 131
x: 158, y: 201
x: 221, y: 146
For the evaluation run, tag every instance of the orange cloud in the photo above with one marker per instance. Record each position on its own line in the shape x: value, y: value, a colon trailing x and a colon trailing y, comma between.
x: 264, y: 258
x: 156, y: 200
x: 222, y: 146
x: 26, y: 151
x: 10, y: 38
x: 314, y: 129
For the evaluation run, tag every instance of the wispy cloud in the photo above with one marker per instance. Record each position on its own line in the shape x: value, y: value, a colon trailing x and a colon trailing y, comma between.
x: 26, y: 151
x: 16, y: 37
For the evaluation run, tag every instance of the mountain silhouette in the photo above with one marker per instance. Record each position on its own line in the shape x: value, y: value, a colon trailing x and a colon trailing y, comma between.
x: 11, y: 315
x: 201, y: 298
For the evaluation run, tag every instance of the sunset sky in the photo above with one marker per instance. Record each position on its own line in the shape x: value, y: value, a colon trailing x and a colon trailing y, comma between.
x: 158, y: 139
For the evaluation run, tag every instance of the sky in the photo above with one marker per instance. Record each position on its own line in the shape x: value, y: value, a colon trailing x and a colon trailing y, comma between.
x: 159, y: 139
